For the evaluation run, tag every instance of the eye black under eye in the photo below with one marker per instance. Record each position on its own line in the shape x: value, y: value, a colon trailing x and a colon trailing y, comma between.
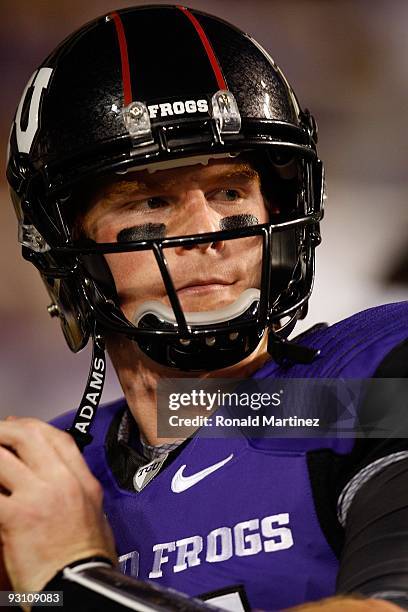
x: 146, y: 231
x: 237, y: 221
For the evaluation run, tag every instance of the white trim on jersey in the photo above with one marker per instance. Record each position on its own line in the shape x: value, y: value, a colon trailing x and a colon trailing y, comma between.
x: 349, y: 491
x: 89, y: 565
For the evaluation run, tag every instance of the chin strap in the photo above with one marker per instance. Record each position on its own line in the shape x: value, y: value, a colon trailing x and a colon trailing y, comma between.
x: 86, y: 412
x: 286, y: 352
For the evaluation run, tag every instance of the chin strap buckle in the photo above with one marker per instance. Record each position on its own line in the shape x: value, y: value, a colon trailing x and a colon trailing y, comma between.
x: 285, y: 352
x: 86, y: 412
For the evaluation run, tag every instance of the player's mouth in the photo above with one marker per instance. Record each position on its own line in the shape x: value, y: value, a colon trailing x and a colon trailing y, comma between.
x: 202, y: 287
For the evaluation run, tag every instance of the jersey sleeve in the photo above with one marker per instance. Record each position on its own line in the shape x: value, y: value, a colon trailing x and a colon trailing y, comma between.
x: 374, y: 560
x: 372, y: 453
x: 373, y: 502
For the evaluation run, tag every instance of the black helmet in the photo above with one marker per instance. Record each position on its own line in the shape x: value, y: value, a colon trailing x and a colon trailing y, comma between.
x: 151, y: 85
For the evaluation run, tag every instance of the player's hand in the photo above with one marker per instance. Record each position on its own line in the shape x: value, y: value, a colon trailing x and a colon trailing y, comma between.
x: 52, y: 512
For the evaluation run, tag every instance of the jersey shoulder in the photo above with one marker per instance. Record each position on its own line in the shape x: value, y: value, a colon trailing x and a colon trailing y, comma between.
x: 352, y: 348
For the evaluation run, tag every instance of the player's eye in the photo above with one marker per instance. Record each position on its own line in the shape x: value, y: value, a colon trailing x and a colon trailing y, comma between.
x: 155, y: 202
x: 225, y: 195
x: 146, y: 204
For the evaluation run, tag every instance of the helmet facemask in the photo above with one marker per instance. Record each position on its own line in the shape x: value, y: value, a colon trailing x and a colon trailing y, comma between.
x: 201, y: 338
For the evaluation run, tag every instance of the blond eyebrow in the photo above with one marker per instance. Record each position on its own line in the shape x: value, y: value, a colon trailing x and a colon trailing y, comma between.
x: 244, y: 171
x: 124, y: 186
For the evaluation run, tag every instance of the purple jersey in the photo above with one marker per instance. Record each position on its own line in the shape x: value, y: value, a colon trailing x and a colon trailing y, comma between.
x: 242, y: 511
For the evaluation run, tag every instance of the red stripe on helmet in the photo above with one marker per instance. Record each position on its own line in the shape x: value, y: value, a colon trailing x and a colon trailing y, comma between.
x: 208, y: 48
x: 124, y: 57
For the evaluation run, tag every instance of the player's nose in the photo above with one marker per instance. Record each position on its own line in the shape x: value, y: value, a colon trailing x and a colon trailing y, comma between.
x: 198, y: 217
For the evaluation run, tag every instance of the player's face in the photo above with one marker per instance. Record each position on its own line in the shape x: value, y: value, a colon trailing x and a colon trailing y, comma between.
x: 181, y: 201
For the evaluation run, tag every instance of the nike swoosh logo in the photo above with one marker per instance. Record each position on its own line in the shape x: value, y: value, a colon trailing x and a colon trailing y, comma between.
x: 181, y: 483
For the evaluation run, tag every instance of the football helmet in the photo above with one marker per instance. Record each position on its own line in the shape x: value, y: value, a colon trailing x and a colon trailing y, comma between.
x: 153, y: 87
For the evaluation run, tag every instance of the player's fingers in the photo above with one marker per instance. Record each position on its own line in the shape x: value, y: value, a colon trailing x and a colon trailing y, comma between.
x: 66, y: 450
x: 26, y: 438
x: 14, y: 474
x: 52, y: 454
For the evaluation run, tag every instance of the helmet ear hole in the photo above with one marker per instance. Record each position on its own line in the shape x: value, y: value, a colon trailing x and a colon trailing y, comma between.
x: 66, y: 305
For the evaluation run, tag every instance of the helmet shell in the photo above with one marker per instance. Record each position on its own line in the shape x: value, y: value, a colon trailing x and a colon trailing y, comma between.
x: 171, y: 59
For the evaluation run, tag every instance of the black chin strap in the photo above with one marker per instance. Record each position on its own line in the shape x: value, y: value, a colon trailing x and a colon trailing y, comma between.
x: 86, y: 412
x: 286, y: 352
